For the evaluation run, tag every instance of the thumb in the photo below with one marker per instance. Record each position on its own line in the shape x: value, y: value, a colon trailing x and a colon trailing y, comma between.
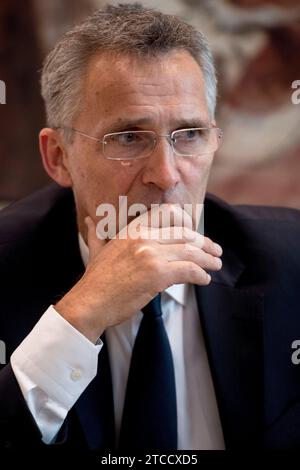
x: 94, y: 243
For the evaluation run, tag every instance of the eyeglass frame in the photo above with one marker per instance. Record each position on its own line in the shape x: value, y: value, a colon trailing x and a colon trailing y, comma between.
x: 169, y: 137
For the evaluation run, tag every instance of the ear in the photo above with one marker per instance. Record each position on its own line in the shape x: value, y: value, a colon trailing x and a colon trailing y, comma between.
x: 54, y: 156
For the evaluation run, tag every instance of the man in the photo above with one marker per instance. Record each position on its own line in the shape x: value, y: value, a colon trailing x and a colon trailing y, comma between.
x: 128, y: 342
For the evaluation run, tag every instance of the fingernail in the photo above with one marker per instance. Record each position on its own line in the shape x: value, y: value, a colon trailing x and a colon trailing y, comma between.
x: 218, y: 248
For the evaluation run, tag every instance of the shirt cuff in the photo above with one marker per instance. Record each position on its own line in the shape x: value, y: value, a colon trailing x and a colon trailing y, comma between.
x: 56, y: 358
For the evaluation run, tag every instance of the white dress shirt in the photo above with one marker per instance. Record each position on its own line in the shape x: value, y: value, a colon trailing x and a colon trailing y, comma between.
x: 55, y: 363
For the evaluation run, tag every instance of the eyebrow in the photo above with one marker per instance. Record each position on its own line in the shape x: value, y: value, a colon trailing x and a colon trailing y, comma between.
x: 124, y: 124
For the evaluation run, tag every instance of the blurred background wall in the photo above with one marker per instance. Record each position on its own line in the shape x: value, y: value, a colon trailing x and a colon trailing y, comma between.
x: 256, y: 44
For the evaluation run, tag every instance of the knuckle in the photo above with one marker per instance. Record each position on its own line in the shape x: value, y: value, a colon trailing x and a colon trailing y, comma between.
x: 190, y: 250
x: 208, y: 244
x: 146, y: 256
x: 142, y: 249
x: 193, y: 270
x: 186, y: 232
x: 153, y: 266
x: 201, y: 240
x: 207, y: 240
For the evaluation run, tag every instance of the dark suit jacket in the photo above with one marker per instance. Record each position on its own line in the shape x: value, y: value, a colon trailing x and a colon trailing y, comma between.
x: 250, y: 315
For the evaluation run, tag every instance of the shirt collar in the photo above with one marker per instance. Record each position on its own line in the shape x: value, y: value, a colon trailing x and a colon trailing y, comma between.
x: 177, y: 292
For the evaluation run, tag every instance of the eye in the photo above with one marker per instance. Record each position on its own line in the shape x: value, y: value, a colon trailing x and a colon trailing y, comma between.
x: 128, y: 138
x: 191, y: 134
x: 187, y: 135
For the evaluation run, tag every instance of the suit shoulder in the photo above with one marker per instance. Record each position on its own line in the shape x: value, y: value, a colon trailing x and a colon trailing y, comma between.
x: 21, y: 219
x: 254, y: 212
x: 274, y: 231
x: 268, y: 213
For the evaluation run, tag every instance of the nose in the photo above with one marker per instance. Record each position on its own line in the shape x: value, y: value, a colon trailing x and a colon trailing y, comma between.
x: 161, y: 166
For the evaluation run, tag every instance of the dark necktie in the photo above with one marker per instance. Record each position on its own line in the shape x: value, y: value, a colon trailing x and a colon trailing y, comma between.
x: 149, y: 416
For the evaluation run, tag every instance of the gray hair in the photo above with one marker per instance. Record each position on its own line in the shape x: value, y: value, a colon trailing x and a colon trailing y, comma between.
x: 123, y: 29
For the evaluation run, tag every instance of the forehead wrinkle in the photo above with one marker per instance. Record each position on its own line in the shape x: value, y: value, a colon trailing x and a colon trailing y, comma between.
x: 171, y: 64
x: 149, y: 90
x: 137, y: 88
x: 150, y: 102
x: 125, y: 90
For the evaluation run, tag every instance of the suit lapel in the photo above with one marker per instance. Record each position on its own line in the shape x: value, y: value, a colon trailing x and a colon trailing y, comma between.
x: 231, y: 319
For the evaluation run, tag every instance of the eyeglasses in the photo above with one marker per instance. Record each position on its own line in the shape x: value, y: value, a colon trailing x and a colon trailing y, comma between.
x: 135, y: 145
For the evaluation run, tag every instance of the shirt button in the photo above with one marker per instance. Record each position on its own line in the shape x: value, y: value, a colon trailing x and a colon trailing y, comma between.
x: 76, y: 374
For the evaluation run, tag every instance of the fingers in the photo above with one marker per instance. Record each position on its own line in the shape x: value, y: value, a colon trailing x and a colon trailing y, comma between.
x: 170, y: 235
x: 181, y: 235
x: 94, y: 243
x: 191, y: 253
x: 200, y: 241
x: 210, y: 247
x: 164, y: 215
x: 168, y: 223
x: 187, y: 272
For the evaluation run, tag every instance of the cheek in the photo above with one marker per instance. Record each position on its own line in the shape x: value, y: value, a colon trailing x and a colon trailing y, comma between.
x: 103, y: 182
x: 195, y: 171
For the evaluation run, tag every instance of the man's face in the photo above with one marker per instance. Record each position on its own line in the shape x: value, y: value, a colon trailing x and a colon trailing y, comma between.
x: 124, y: 94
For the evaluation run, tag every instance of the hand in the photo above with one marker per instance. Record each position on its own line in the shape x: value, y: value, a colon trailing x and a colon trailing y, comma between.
x: 123, y: 275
